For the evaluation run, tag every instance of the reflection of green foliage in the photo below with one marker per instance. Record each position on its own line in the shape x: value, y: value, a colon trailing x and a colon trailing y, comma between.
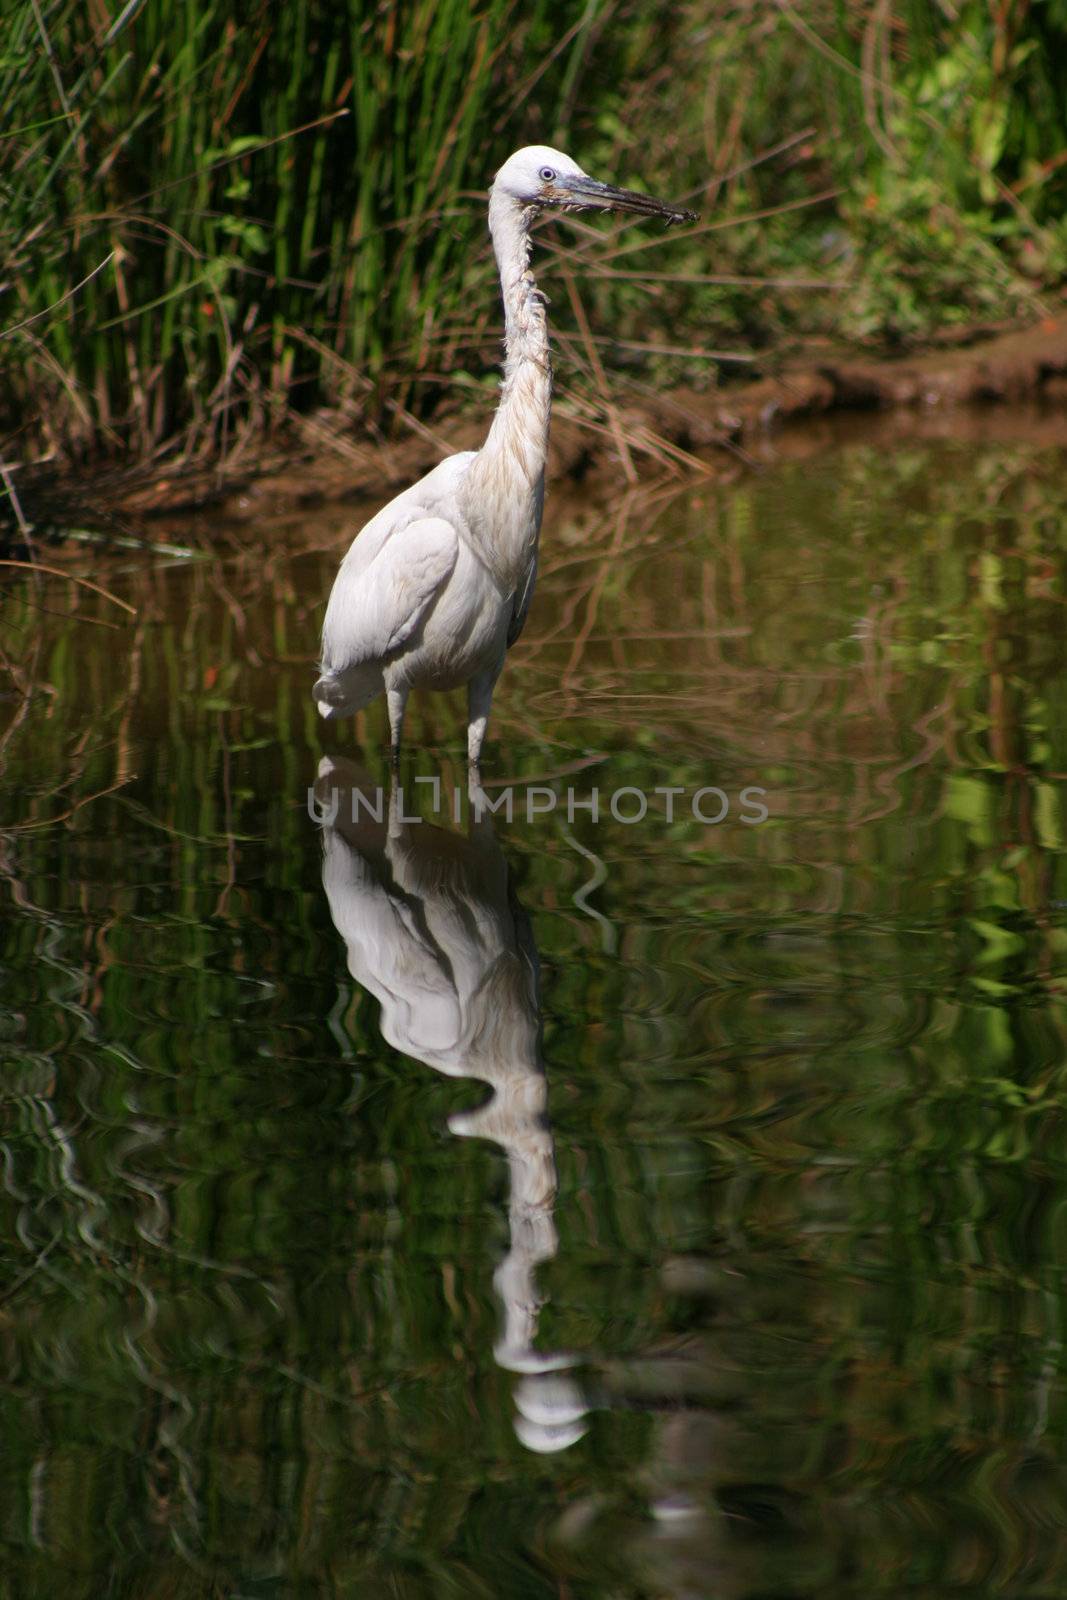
x: 806, y: 1079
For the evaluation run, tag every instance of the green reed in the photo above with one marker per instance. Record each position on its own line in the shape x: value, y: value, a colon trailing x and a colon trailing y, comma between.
x: 213, y: 215
x: 267, y: 198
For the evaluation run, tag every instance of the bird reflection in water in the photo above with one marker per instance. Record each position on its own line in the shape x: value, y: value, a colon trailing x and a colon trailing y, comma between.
x: 435, y: 933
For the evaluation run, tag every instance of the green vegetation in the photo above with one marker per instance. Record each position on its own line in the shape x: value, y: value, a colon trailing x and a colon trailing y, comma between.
x: 215, y: 217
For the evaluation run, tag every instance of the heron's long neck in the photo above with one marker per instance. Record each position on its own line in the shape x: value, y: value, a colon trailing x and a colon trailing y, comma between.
x: 508, y: 473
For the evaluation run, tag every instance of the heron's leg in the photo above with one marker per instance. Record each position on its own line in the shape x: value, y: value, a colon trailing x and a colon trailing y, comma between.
x: 479, y: 700
x: 396, y: 701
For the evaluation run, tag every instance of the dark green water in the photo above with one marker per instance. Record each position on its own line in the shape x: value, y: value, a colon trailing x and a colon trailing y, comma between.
x: 553, y: 1208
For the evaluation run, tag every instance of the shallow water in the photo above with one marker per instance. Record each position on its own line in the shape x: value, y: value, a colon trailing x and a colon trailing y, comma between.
x: 549, y: 1207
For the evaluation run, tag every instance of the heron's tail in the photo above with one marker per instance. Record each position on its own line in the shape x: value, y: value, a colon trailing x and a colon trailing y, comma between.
x: 339, y: 695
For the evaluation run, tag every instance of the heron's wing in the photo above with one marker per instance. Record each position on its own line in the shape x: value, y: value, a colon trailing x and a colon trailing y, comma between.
x: 375, y: 610
x: 523, y: 598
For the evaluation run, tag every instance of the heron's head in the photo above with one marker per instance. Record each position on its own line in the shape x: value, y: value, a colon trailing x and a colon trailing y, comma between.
x: 542, y: 178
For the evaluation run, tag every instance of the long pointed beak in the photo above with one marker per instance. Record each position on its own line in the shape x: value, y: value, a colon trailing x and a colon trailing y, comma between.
x: 594, y: 196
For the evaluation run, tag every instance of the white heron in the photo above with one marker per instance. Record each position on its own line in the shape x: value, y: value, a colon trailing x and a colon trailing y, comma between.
x: 435, y: 588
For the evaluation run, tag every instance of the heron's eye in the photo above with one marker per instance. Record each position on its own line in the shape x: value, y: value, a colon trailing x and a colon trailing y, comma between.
x: 547, y: 174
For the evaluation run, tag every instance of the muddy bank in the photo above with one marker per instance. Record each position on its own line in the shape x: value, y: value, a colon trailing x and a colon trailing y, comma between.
x: 1012, y: 384
x: 1023, y: 364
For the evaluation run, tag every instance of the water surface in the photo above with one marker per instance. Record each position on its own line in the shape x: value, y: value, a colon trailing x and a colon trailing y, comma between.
x: 555, y: 1206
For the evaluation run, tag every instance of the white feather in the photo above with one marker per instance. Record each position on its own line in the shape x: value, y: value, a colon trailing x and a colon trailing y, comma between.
x: 378, y: 607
